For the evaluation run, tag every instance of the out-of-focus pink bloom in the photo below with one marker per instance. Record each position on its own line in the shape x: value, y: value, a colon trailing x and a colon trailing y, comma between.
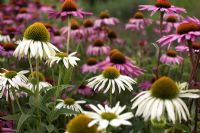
x: 182, y: 48
x: 69, y: 8
x: 75, y: 30
x: 46, y: 9
x: 138, y: 22
x: 85, y: 90
x: 142, y: 42
x: 91, y: 66
x: 24, y: 15
x: 58, y: 39
x: 7, y: 20
x: 105, y: 19
x: 186, y: 31
x: 171, y: 58
x: 98, y: 48
x: 146, y: 85
x: 163, y: 6
x: 113, y: 37
x: 88, y: 27
x: 122, y: 63
x: 7, y: 49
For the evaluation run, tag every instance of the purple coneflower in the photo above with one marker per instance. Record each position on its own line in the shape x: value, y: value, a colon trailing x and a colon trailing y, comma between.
x: 24, y: 15
x: 171, y: 58
x: 186, y: 31
x: 58, y: 39
x: 91, y: 66
x: 122, y: 63
x: 69, y: 8
x: 75, y: 31
x: 84, y: 90
x: 105, y: 19
x: 138, y: 22
x: 88, y: 27
x: 98, y: 48
x: 7, y: 49
x: 162, y: 6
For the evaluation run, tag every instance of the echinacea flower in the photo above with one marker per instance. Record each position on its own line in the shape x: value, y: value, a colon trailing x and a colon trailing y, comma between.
x: 105, y: 19
x: 162, y: 6
x: 32, y: 85
x: 98, y: 48
x: 69, y: 8
x: 58, y: 39
x: 88, y: 27
x: 35, y: 43
x: 75, y: 30
x: 138, y: 22
x: 70, y: 103
x: 113, y: 37
x: 67, y: 60
x: 122, y: 63
x: 163, y: 100
x: 7, y: 49
x: 11, y: 80
x: 24, y: 15
x: 4, y: 38
x: 91, y: 66
x: 186, y: 31
x: 79, y: 124
x: 146, y: 85
x: 84, y: 90
x: 111, y: 79
x: 107, y: 116
x: 171, y: 58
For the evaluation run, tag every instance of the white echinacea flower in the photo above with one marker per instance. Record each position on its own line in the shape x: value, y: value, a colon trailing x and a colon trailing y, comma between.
x: 111, y: 79
x: 163, y: 100
x: 65, y: 58
x: 11, y: 80
x: 105, y: 116
x: 35, y: 43
x: 70, y: 103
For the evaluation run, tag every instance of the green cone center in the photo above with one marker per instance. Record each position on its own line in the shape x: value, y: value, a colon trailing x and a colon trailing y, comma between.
x: 111, y: 73
x: 37, y: 32
x: 164, y: 88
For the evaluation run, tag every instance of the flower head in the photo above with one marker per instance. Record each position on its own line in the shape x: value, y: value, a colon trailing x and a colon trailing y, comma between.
x: 10, y: 79
x: 171, y: 58
x: 162, y: 6
x: 110, y: 78
x: 70, y: 103
x: 163, y: 100
x: 98, y: 48
x: 35, y: 43
x: 105, y: 116
x: 186, y: 31
x: 69, y: 8
x: 66, y: 59
x: 91, y: 66
x: 122, y: 63
x: 105, y: 19
x: 79, y: 124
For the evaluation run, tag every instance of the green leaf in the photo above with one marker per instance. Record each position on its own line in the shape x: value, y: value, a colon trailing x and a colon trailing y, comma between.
x: 51, y: 92
x: 11, y: 117
x: 68, y: 75
x: 56, y: 113
x: 21, y: 121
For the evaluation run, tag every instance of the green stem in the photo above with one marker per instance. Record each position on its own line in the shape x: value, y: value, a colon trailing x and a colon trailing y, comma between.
x: 17, y: 101
x: 59, y: 81
x: 30, y: 64
x: 69, y: 33
x: 110, y: 97
x: 11, y: 103
x: 38, y: 94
